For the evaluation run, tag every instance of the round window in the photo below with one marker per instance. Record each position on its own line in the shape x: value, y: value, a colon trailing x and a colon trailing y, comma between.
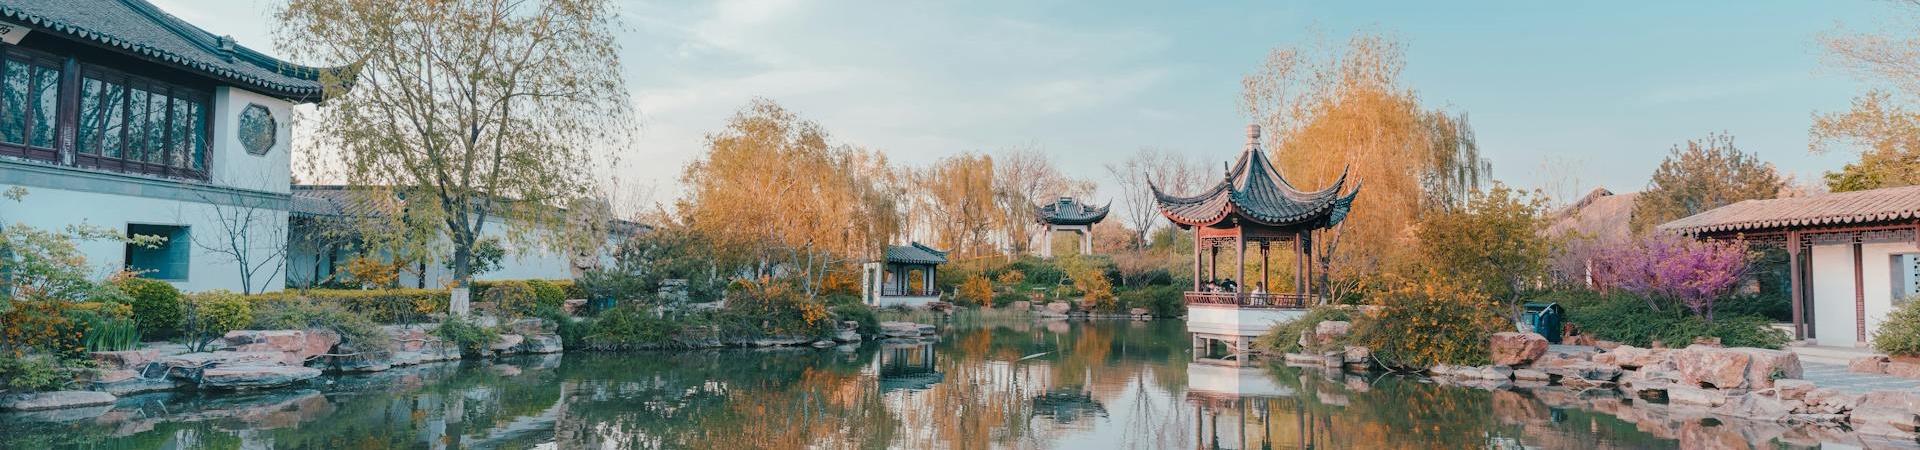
x: 257, y: 129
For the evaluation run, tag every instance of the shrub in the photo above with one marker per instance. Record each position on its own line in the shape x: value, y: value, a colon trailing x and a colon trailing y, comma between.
x: 356, y: 331
x: 105, y: 327
x: 386, y: 306
x: 630, y: 327
x: 1419, y: 325
x: 546, y: 294
x: 1038, y: 271
x: 1676, y: 269
x: 212, y: 314
x: 1159, y: 300
x: 1007, y: 298
x: 773, y: 307
x: 471, y: 338
x: 572, y: 333
x: 31, y: 374
x: 1628, y: 320
x: 41, y: 326
x: 158, y: 308
x: 1899, y: 334
x: 1284, y: 337
x: 513, y: 299
x: 869, y: 322
x: 1011, y: 279
x: 975, y: 291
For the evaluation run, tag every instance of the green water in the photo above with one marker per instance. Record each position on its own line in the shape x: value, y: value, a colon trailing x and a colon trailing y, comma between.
x: 1094, y: 385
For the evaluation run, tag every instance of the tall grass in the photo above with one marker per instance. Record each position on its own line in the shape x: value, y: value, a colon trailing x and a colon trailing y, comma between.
x: 111, y: 335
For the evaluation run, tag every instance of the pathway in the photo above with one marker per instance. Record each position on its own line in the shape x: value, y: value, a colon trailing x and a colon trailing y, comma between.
x: 1835, y: 376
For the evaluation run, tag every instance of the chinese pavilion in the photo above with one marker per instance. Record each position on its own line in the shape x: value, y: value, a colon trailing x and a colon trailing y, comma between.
x: 1253, y: 206
x: 1068, y: 214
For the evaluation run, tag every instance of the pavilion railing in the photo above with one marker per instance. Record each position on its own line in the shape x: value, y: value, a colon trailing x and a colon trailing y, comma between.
x: 1276, y: 300
x: 898, y: 292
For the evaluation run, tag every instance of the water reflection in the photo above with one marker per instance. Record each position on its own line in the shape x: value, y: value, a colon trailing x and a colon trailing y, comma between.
x: 1118, y: 385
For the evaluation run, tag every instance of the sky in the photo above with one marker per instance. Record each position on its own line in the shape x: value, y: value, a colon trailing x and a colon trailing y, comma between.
x: 1562, y: 95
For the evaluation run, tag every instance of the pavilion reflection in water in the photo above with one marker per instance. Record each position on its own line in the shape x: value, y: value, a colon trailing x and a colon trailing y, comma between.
x: 910, y: 366
x: 1241, y: 406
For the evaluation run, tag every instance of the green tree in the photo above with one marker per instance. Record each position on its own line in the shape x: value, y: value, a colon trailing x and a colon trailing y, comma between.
x: 473, y: 109
x: 1493, y: 242
x: 1884, y: 133
x: 1703, y: 174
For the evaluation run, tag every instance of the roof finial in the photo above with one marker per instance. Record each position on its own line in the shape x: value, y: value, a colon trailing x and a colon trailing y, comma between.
x: 1253, y: 134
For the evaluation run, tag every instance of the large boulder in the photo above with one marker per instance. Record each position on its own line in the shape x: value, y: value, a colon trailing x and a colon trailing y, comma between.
x: 1695, y: 396
x: 299, y: 345
x: 1020, y: 305
x: 1903, y: 369
x: 1769, y: 365
x: 1585, y: 370
x: 55, y: 400
x: 1630, y: 357
x: 126, y: 360
x: 252, y: 376
x: 1515, y: 349
x: 900, y: 329
x: 1829, y: 401
x: 1061, y: 308
x: 1734, y: 368
x: 188, y: 364
x: 1868, y: 364
x: 541, y: 344
x: 507, y: 342
x: 1757, y: 405
x: 1888, y: 413
x: 1330, y: 331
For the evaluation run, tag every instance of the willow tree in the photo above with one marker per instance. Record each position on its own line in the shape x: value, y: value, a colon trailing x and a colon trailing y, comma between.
x: 484, y: 109
x: 773, y: 189
x: 960, y: 203
x: 1332, y: 109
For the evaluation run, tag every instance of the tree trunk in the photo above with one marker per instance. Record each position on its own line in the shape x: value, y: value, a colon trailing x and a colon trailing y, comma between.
x: 460, y: 304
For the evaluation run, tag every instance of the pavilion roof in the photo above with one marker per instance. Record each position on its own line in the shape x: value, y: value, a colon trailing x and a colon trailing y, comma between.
x: 1069, y: 211
x: 141, y: 30
x: 915, y: 253
x: 1253, y: 190
x: 1895, y: 204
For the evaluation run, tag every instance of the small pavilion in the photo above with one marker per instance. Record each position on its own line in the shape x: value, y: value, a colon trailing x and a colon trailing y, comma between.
x: 1252, y: 207
x: 1068, y: 214
x: 891, y: 280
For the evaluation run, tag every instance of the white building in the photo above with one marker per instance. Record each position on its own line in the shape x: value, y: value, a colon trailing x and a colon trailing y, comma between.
x: 118, y: 115
x: 903, y: 277
x: 1853, y: 256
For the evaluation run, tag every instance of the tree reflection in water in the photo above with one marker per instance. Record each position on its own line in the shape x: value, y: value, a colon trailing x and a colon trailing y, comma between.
x: 1108, y: 385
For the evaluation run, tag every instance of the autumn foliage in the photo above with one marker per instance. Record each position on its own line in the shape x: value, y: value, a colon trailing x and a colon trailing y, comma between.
x: 1422, y: 324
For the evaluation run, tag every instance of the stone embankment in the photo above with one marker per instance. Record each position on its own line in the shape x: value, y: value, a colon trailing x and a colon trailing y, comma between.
x: 1750, y: 383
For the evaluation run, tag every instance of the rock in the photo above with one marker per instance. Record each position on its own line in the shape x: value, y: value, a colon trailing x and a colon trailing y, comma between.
x: 1515, y: 349
x: 299, y: 345
x: 1059, y: 308
x: 55, y: 400
x: 1020, y: 305
x: 1138, y: 312
x: 249, y: 376
x: 1586, y: 370
x: 1330, y: 331
x: 1695, y: 396
x: 186, y: 364
x: 1903, y: 370
x: 899, y: 329
x: 1496, y: 373
x: 1440, y: 370
x: 1829, y: 401
x: 1630, y: 357
x: 1769, y: 365
x: 1868, y: 364
x: 1606, y: 345
x: 541, y: 344
x: 1583, y: 383
x: 530, y: 326
x: 1887, y: 413
x: 1531, y: 375
x: 1355, y: 354
x: 1297, y: 358
x: 780, y: 342
x: 847, y: 336
x: 409, y: 339
x: 1733, y: 368
x: 573, y: 306
x: 1707, y: 341
x: 926, y: 330
x: 507, y: 342
x: 125, y: 360
x: 825, y: 343
x: 1792, y: 389
x: 1759, y: 405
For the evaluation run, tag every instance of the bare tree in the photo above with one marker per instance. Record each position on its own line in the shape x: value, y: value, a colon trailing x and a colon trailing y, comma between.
x: 248, y: 232
x: 1169, y: 171
x: 1023, y: 177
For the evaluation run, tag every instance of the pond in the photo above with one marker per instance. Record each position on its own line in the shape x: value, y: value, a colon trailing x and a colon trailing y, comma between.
x: 1093, y: 385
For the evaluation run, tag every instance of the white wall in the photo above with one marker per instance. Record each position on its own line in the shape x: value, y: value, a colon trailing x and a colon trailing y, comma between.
x: 1229, y: 321
x: 1876, y: 264
x: 231, y: 164
x: 1832, y: 267
x: 54, y: 209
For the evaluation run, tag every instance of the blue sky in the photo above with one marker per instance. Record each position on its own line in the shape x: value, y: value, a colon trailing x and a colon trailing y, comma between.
x: 1599, y: 89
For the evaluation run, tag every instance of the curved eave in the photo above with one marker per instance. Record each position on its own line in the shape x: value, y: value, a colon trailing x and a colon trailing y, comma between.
x: 299, y: 93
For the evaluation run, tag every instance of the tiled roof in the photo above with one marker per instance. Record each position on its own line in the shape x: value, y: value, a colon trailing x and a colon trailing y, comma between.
x: 915, y: 253
x: 1601, y: 215
x: 140, y: 29
x: 1069, y: 211
x: 329, y: 201
x: 1256, y: 191
x: 1897, y: 204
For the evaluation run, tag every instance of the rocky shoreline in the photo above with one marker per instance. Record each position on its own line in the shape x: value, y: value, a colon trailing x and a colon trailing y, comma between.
x: 254, y: 360
x: 1702, y: 379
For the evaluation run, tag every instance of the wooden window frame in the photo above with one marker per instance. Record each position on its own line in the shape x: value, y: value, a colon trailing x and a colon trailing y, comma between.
x: 127, y: 83
x: 39, y: 61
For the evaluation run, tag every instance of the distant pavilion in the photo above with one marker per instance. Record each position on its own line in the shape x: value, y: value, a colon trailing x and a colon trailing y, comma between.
x: 1253, y: 204
x: 1068, y: 214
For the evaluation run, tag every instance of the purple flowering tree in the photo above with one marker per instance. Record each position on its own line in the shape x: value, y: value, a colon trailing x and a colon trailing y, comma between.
x: 1690, y: 272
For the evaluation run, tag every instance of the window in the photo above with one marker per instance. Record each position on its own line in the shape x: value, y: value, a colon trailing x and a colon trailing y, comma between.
x: 166, y: 261
x: 1905, y: 277
x: 29, y: 104
x: 132, y: 124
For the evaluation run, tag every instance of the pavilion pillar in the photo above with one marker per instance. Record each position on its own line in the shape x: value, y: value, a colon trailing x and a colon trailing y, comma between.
x: 1213, y: 262
x: 1046, y: 243
x: 1240, y: 240
x: 1266, y: 265
x: 1196, y: 259
x: 1306, y: 243
x: 1794, y: 273
x: 1086, y: 240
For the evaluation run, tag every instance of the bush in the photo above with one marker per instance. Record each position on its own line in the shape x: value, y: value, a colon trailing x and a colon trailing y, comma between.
x: 471, y: 338
x: 1284, y: 337
x: 1773, y: 306
x: 1899, y: 334
x: 212, y: 314
x: 158, y: 308
x: 512, y: 299
x: 356, y: 331
x: 105, y: 327
x: 385, y: 306
x: 31, y: 374
x: 869, y: 322
x: 1007, y: 298
x: 547, y: 293
x: 1038, y: 271
x: 975, y: 291
x: 1628, y: 320
x: 1161, y: 301
x: 1420, y: 325
x: 630, y: 327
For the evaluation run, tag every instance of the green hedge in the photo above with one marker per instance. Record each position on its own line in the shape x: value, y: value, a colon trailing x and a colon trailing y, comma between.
x: 1628, y: 320
x: 387, y: 306
x: 567, y: 288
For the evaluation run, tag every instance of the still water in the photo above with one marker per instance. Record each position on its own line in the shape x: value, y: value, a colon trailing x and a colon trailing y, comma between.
x: 1094, y: 385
